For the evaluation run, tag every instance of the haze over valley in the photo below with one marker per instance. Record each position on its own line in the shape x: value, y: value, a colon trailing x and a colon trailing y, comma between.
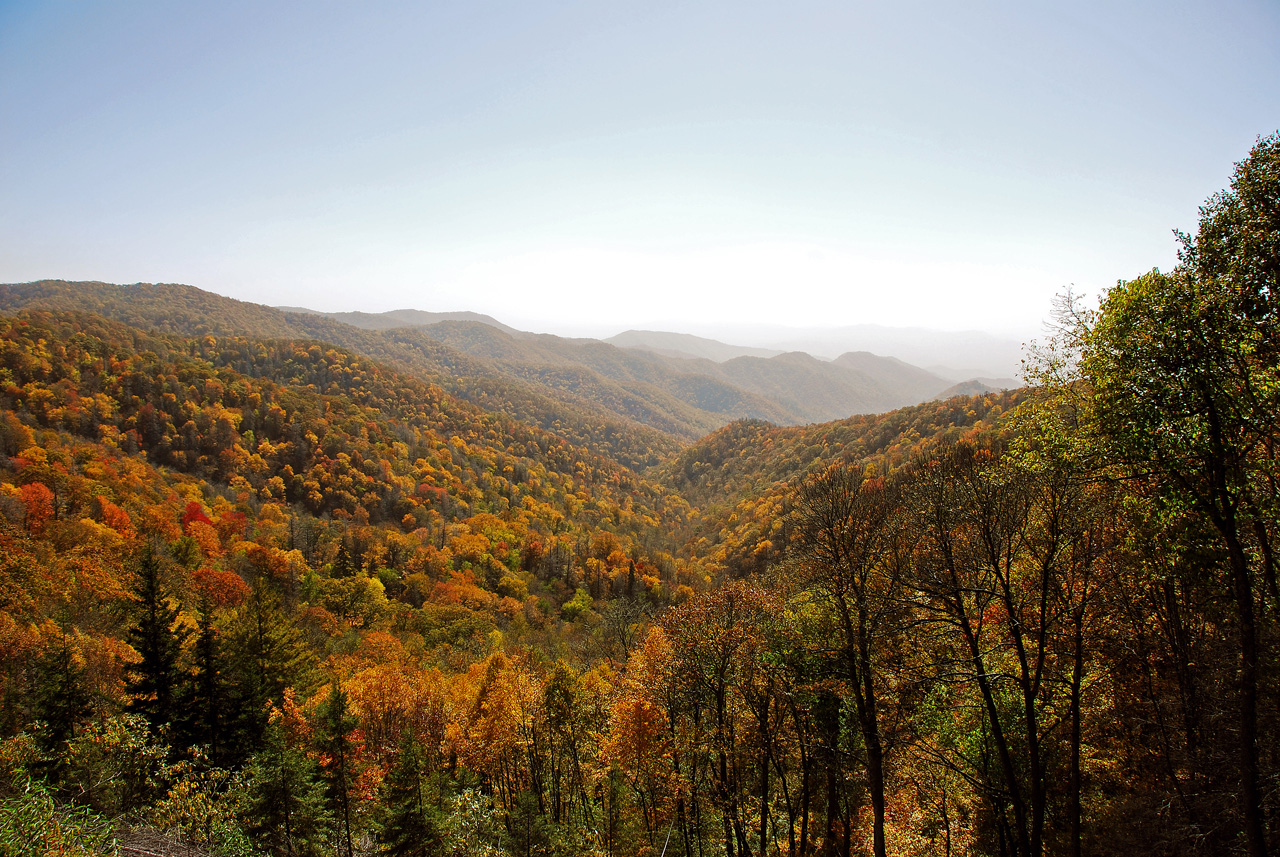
x: 885, y: 377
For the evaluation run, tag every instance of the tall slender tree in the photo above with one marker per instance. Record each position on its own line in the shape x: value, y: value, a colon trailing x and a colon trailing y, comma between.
x: 412, y: 823
x: 157, y: 636
x: 206, y: 698
x: 844, y: 538
x: 61, y: 700
x: 268, y: 656
x: 286, y: 809
x: 334, y: 738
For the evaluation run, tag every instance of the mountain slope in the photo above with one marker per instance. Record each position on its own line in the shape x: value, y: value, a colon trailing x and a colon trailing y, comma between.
x: 907, y: 380
x: 188, y: 311
x: 325, y: 428
x: 531, y: 379
x: 638, y: 406
x: 737, y: 478
x: 818, y: 390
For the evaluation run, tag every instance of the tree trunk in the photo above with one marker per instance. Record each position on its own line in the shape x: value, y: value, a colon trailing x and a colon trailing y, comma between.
x: 1250, y: 790
x: 1077, y: 677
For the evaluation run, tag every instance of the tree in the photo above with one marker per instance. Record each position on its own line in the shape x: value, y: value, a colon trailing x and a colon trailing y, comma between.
x: 206, y: 701
x: 61, y: 699
x: 717, y: 644
x: 412, y: 824
x: 561, y: 736
x: 844, y: 539
x: 1184, y: 370
x: 268, y: 657
x: 286, y: 805
x: 1077, y: 532
x: 334, y: 739
x: 157, y: 637
x: 345, y: 563
x: 987, y: 572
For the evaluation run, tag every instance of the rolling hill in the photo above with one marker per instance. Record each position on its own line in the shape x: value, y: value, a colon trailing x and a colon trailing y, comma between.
x: 638, y: 404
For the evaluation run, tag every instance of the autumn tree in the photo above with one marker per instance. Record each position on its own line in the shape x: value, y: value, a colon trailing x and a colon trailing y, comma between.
x: 845, y: 541
x: 988, y: 587
x: 717, y: 644
x: 566, y: 734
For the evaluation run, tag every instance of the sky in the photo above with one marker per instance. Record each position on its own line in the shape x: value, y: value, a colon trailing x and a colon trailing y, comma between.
x: 591, y: 167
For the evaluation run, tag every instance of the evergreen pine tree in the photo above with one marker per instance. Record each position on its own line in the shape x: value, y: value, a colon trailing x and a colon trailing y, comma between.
x: 345, y: 564
x: 285, y: 811
x: 60, y: 701
x: 206, y: 698
x: 268, y: 656
x: 411, y: 822
x: 334, y: 728
x: 152, y: 684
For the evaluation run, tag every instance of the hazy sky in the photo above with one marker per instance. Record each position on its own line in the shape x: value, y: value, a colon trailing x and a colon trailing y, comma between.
x: 611, y: 165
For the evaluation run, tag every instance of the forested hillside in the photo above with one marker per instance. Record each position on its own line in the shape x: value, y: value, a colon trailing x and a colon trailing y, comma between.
x: 636, y: 405
x: 740, y: 478
x: 187, y: 311
x: 200, y: 532
x: 785, y: 388
x: 267, y: 591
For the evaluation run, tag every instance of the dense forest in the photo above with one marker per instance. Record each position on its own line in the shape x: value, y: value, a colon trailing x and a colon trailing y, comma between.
x: 263, y: 592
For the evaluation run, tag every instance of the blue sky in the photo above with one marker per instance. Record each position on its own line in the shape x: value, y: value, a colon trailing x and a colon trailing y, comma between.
x: 598, y: 166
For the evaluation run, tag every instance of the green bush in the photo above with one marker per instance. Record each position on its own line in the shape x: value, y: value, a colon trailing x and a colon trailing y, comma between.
x: 33, y: 825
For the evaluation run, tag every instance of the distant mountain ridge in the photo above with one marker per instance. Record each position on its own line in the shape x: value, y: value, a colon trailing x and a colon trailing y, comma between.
x: 637, y: 404
x: 686, y: 345
x: 789, y: 388
x: 799, y: 389
x: 401, y: 318
x: 953, y: 354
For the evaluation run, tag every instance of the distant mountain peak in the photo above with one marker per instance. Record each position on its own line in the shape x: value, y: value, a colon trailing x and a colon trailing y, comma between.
x: 401, y: 318
x: 671, y: 344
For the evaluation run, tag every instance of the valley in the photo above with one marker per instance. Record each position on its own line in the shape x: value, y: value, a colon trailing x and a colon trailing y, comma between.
x: 281, y: 582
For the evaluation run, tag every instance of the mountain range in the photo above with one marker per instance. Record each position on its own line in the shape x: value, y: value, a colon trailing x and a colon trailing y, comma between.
x: 646, y: 392
x: 858, y: 382
x: 954, y: 354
